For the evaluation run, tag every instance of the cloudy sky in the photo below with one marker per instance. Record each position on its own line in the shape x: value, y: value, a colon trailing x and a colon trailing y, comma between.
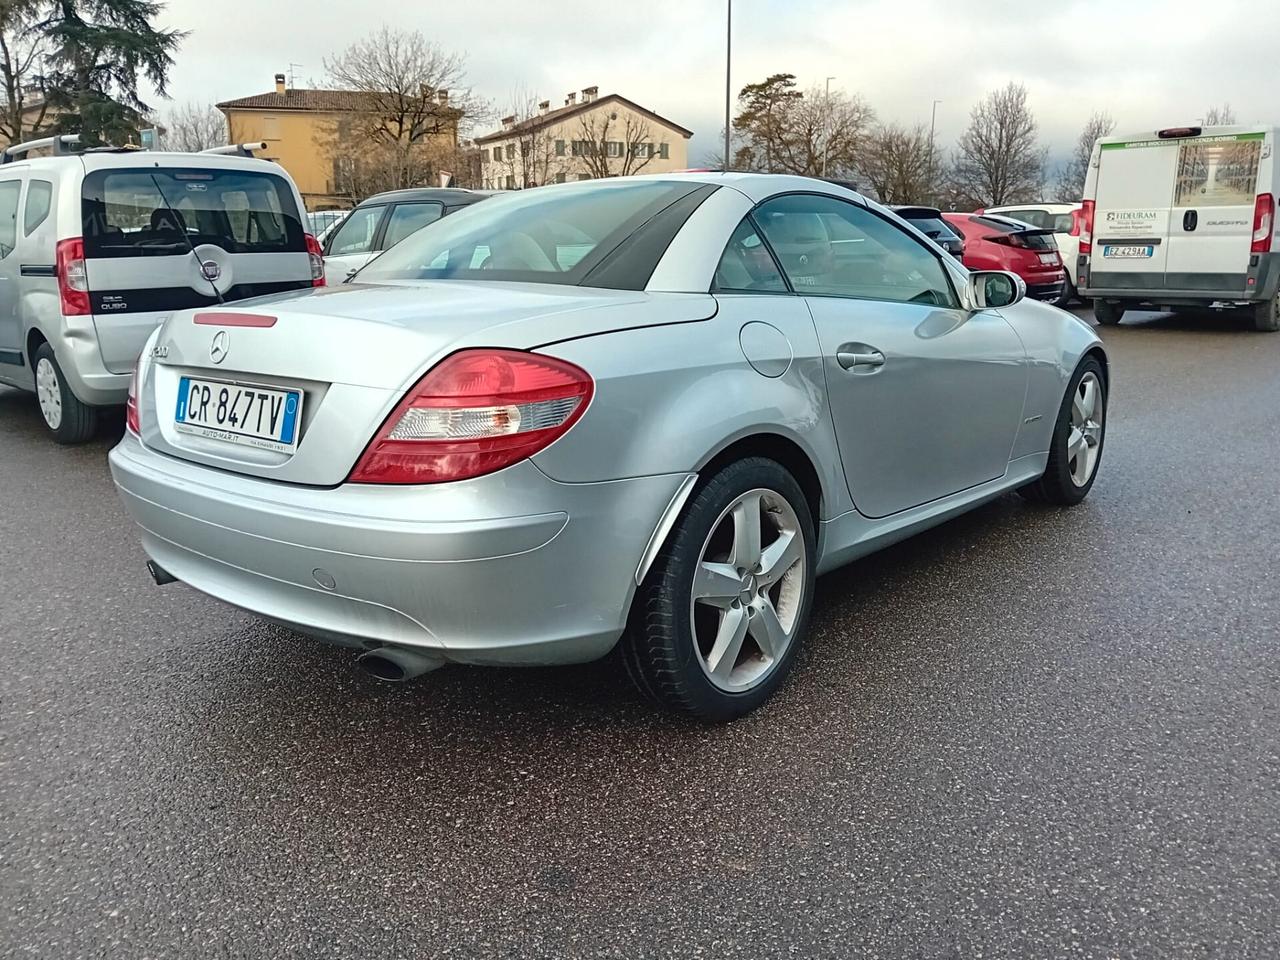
x: 1150, y: 64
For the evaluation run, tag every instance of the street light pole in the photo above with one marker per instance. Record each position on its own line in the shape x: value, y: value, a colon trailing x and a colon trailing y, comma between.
x: 728, y: 87
x: 933, y: 122
x: 826, y: 124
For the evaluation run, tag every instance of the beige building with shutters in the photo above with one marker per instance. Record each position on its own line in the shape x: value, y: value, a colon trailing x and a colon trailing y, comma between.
x: 588, y: 137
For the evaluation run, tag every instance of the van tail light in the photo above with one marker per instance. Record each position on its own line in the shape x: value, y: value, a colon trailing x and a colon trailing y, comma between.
x: 1086, y: 226
x: 132, y: 421
x: 317, y: 261
x: 73, y: 278
x: 1264, y: 211
x: 1075, y: 224
x: 475, y: 412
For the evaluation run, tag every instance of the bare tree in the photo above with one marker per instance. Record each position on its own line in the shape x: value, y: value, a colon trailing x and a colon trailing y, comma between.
x: 531, y: 157
x: 610, y: 144
x: 1221, y: 116
x: 784, y: 130
x: 900, y: 164
x: 999, y: 158
x: 22, y: 48
x: 408, y: 100
x: 193, y: 127
x: 1072, y: 175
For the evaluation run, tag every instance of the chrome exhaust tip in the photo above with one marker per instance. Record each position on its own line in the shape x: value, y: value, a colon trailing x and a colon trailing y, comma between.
x: 397, y: 664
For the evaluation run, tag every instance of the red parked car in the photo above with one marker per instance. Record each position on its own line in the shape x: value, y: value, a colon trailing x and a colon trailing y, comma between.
x: 993, y: 242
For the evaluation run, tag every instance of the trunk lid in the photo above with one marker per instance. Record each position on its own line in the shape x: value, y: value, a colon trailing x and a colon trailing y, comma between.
x: 352, y: 351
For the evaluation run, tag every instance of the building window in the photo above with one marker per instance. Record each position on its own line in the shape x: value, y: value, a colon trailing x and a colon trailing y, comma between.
x: 560, y: 177
x: 511, y: 182
x: 497, y: 153
x: 581, y: 148
x: 613, y: 148
x: 662, y: 151
x: 270, y: 128
x: 559, y: 148
x: 484, y: 155
x: 642, y: 151
x: 584, y: 176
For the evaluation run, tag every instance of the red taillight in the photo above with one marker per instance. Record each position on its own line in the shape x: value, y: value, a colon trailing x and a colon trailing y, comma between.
x: 131, y: 420
x: 1086, y: 226
x: 1264, y: 210
x: 1075, y: 224
x: 476, y: 412
x: 73, y: 278
x: 316, y: 254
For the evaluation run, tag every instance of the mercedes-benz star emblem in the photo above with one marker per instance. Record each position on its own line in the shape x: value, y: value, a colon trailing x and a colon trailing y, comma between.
x: 221, y: 344
x: 210, y: 270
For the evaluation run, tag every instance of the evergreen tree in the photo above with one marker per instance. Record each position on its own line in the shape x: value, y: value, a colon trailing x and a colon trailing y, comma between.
x: 99, y: 51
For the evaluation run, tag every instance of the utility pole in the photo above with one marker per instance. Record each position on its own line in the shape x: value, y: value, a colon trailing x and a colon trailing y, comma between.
x: 728, y: 86
x: 933, y: 123
x: 826, y: 124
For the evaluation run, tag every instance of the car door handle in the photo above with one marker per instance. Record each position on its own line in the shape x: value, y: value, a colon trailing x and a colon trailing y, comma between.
x: 850, y: 357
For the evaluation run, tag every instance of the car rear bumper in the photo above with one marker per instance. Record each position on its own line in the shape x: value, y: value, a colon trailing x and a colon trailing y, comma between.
x: 1261, y: 281
x: 513, y: 568
x: 76, y: 347
x: 1047, y: 292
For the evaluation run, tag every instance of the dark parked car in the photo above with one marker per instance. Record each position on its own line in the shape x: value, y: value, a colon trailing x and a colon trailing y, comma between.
x: 928, y: 220
x: 384, y: 220
x: 993, y: 242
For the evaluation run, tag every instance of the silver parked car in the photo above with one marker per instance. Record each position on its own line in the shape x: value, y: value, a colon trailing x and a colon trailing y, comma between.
x: 647, y: 410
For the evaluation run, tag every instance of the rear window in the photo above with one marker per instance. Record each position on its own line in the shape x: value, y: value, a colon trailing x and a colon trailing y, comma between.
x: 1035, y: 238
x: 933, y: 227
x: 145, y: 213
x: 549, y: 235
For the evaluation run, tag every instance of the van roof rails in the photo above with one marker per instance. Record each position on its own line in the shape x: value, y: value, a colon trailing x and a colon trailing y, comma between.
x: 238, y: 149
x: 61, y: 146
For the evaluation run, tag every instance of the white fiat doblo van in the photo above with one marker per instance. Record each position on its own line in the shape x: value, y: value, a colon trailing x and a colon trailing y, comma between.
x: 1183, y: 217
x: 98, y: 247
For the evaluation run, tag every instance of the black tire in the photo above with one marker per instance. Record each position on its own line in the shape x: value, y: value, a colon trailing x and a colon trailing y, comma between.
x: 1057, y: 485
x: 1068, y: 294
x: 1107, y: 313
x: 78, y: 421
x: 1266, y: 316
x: 660, y: 649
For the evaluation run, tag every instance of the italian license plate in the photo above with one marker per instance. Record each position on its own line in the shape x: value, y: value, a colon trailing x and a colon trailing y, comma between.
x: 1128, y: 252
x: 239, y: 413
x: 1049, y: 258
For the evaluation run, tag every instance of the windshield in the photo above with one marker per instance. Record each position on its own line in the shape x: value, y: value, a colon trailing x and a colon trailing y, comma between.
x: 933, y: 228
x: 543, y: 235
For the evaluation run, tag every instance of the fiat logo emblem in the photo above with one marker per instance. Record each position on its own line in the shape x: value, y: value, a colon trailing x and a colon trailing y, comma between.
x: 221, y: 344
x: 210, y: 270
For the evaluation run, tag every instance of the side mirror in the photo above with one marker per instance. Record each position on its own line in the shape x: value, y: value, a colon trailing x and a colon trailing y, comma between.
x: 995, y: 288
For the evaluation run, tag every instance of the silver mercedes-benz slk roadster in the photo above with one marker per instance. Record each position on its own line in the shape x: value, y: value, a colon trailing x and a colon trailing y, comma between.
x: 643, y: 412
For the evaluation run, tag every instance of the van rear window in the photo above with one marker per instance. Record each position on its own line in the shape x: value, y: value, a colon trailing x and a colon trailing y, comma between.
x: 144, y: 213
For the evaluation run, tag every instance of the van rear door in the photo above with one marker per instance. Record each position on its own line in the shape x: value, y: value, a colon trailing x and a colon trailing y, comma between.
x: 140, y: 225
x: 1131, y: 214
x: 1211, y: 228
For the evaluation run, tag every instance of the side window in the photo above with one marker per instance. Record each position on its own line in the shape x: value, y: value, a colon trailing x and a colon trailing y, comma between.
x: 356, y: 233
x: 39, y: 200
x: 407, y: 218
x: 9, y: 192
x: 831, y: 247
x: 747, y: 265
x: 1037, y: 218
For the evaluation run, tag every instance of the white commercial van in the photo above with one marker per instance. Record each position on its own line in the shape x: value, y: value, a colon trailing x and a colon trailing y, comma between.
x: 98, y: 247
x: 1183, y: 217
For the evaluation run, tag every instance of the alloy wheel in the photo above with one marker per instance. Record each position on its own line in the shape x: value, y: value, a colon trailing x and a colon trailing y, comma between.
x: 1084, y: 442
x: 748, y: 590
x: 49, y: 393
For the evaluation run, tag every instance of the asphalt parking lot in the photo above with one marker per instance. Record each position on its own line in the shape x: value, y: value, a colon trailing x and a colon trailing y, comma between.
x: 1028, y: 733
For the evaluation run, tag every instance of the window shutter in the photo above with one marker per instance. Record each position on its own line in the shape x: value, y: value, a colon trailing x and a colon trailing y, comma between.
x: 559, y: 148
x: 662, y: 151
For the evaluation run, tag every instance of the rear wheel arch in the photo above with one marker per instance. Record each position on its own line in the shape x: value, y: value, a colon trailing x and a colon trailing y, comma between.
x: 34, y: 339
x: 776, y: 447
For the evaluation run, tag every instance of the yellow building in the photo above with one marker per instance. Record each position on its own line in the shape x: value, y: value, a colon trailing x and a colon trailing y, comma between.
x: 590, y: 136
x: 313, y: 135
